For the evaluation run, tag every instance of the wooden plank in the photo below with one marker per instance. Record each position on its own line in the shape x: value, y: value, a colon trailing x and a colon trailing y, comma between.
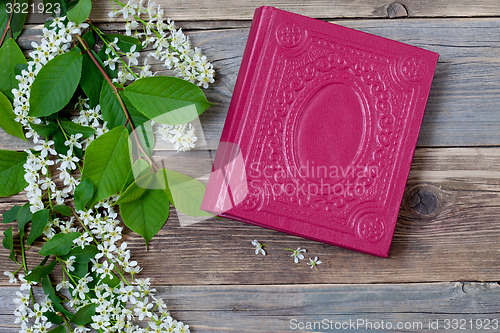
x: 465, y: 96
x: 282, y: 308
x: 448, y: 230
x: 193, y: 10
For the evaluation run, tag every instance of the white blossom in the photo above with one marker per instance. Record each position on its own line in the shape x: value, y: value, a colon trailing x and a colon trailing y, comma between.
x: 297, y: 254
x: 69, y: 263
x: 313, y: 263
x: 132, y: 56
x: 73, y: 141
x: 258, y: 247
x: 11, y: 276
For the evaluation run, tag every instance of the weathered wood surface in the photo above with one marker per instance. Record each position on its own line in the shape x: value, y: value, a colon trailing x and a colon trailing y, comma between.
x: 279, y: 308
x: 448, y: 230
x: 465, y: 96
x: 193, y: 10
x: 449, y: 222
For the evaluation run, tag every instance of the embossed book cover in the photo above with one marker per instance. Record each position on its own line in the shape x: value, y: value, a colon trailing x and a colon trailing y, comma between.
x: 321, y: 131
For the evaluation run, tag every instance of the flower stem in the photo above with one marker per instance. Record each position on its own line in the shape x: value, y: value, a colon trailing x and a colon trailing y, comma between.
x: 83, y: 225
x: 21, y: 238
x: 106, y: 42
x: 61, y: 262
x: 49, y: 195
x: 66, y: 138
x: 66, y: 321
x: 121, y: 275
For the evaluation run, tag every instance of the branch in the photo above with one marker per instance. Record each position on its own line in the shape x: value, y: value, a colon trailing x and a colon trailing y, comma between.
x: 115, y: 91
x: 7, y: 27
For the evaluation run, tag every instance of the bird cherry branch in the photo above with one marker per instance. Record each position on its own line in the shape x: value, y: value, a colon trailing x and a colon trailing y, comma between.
x: 120, y: 100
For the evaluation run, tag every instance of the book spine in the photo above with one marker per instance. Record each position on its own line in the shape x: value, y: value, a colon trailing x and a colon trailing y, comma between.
x: 215, y: 201
x: 245, y: 74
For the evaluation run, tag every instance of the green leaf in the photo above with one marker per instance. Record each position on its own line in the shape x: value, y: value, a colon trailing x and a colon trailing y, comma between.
x: 167, y: 100
x: 83, y: 193
x: 7, y: 118
x: 40, y: 271
x: 146, y: 137
x: 58, y: 329
x: 84, y: 315
x: 135, y: 190
x: 139, y: 169
x: 73, y: 128
x: 185, y: 193
x: 20, y: 68
x: 12, y: 172
x: 89, y: 38
x: 80, y: 12
x: 4, y: 16
x: 44, y: 261
x: 45, y: 130
x: 10, y: 56
x: 78, y: 152
x: 59, y: 140
x: 8, y: 243
x: 59, y: 245
x: 53, y: 317
x: 137, y: 117
x: 38, y: 223
x: 80, y: 269
x: 63, y: 210
x: 23, y: 216
x: 111, y: 282
x: 91, y: 81
x: 18, y: 19
x: 83, y: 256
x: 11, y: 215
x: 125, y: 43
x: 55, y: 84
x: 147, y: 214
x: 48, y: 289
x: 107, y: 163
x: 102, y: 56
x: 111, y: 109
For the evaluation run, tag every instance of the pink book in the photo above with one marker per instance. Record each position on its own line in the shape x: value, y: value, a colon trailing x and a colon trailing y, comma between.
x: 320, y: 132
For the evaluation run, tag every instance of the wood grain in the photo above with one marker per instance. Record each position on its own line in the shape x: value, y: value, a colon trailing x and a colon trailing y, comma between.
x: 193, y: 10
x: 465, y: 96
x: 279, y: 308
x: 448, y: 230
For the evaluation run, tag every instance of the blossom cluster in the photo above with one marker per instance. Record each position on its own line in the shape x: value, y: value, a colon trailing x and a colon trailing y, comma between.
x: 118, y: 307
x: 182, y: 136
x: 171, y: 46
x: 56, y: 39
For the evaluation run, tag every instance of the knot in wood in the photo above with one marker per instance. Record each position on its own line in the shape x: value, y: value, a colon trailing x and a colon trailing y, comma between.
x: 424, y: 202
x: 396, y: 10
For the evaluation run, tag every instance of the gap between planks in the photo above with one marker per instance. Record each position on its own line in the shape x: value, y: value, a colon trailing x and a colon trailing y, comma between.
x: 215, y: 10
x: 257, y: 308
x: 465, y: 96
x: 452, y: 235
